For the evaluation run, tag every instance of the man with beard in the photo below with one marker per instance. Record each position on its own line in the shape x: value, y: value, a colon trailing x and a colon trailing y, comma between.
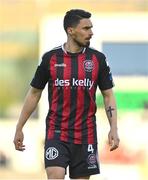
x: 73, y: 71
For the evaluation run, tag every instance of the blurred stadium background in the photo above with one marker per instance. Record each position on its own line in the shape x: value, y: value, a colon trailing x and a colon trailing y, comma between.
x: 28, y: 28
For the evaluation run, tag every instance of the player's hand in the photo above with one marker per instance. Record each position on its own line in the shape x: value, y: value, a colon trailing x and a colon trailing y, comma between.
x: 18, y: 140
x: 113, y: 139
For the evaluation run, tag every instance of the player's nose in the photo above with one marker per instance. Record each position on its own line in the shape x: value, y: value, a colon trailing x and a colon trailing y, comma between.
x: 91, y: 33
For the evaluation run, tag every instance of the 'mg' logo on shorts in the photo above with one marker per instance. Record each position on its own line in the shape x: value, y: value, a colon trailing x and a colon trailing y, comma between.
x: 51, y: 153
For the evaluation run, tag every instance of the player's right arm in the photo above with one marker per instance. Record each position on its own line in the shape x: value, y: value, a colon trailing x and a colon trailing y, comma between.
x: 38, y: 83
x: 30, y: 104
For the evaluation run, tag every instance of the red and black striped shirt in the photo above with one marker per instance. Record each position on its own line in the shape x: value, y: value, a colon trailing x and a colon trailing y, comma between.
x: 72, y: 82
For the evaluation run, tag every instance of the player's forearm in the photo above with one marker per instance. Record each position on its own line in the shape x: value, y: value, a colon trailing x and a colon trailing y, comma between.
x: 110, y: 108
x: 29, y: 106
x: 111, y: 112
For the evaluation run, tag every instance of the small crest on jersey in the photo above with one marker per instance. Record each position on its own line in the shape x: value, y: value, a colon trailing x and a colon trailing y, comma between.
x: 88, y: 65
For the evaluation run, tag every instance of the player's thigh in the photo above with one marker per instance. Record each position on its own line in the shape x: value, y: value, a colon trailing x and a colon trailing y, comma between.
x: 55, y: 172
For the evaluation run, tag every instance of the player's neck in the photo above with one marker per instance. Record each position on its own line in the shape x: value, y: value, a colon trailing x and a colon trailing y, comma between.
x: 72, y: 47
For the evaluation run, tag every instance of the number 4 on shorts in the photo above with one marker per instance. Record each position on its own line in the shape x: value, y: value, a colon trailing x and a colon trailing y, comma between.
x: 90, y: 148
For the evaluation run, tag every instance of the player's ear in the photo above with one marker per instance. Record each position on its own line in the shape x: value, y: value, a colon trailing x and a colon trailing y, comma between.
x: 70, y: 30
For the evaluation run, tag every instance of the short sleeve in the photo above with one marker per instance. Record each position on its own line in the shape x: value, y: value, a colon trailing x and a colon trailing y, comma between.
x: 105, y: 80
x: 42, y: 73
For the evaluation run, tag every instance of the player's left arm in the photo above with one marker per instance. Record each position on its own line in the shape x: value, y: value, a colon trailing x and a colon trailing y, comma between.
x: 111, y: 112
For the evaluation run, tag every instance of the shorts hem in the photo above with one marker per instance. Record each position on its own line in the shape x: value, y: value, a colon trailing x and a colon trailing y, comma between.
x: 57, y: 165
x: 84, y: 174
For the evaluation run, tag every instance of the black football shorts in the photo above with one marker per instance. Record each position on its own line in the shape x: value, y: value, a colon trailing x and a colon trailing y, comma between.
x: 82, y: 159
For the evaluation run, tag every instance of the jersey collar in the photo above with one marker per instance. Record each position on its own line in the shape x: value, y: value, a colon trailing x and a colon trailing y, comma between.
x: 83, y: 51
